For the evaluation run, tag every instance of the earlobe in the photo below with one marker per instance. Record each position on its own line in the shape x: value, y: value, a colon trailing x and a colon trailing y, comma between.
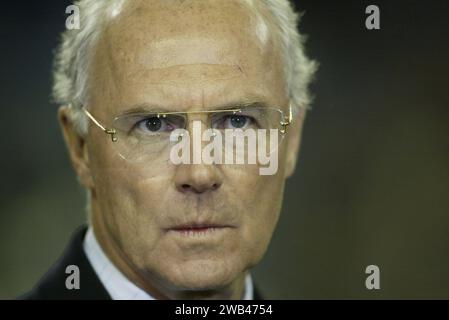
x: 76, y: 146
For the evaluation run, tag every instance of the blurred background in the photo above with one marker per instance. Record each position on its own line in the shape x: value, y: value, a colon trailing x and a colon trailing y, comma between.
x: 372, y: 183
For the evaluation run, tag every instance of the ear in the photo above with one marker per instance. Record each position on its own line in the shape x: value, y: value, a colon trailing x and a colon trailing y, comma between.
x: 294, y: 142
x: 76, y: 146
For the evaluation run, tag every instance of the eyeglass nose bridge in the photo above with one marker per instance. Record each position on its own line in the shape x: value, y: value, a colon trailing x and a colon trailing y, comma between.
x: 180, y: 136
x: 186, y: 114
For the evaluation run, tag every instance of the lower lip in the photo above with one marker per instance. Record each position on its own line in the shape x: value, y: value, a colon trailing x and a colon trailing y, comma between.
x: 199, y: 232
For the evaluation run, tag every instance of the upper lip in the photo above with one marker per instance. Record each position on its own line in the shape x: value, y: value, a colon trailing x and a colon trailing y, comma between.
x: 197, y: 225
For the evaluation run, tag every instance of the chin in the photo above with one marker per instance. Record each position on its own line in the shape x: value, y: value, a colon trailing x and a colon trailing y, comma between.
x: 202, y: 275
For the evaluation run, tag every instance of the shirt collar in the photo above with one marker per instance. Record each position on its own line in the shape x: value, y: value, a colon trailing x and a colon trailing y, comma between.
x: 116, y: 284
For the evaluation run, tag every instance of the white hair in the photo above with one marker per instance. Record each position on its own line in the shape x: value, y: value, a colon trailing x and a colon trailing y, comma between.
x: 75, y: 53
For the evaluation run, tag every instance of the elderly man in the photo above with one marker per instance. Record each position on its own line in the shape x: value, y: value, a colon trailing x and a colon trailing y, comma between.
x: 133, y: 73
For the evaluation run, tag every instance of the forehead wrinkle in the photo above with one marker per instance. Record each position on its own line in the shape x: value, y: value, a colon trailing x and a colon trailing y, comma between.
x: 189, y: 50
x: 198, y: 64
x: 198, y: 73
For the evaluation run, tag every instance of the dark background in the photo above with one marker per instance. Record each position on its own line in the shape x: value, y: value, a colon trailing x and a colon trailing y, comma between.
x: 372, y: 180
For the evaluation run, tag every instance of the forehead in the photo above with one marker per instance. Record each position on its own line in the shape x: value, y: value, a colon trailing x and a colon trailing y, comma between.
x: 158, y: 46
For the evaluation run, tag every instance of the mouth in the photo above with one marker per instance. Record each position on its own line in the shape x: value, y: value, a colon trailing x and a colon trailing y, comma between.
x: 199, y: 229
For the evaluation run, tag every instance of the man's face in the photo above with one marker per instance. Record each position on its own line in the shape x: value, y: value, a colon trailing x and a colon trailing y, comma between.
x: 183, y: 56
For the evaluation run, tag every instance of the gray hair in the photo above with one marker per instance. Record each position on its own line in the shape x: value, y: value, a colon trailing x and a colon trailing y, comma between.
x: 74, y: 54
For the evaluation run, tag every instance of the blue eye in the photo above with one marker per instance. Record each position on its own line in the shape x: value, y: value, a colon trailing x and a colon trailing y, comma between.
x: 154, y: 125
x: 237, y: 121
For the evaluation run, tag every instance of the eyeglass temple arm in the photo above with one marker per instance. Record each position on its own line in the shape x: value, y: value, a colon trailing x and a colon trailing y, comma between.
x: 111, y: 132
x: 287, y: 121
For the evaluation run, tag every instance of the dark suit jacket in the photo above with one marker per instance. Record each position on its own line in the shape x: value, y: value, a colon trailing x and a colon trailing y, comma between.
x: 52, y: 285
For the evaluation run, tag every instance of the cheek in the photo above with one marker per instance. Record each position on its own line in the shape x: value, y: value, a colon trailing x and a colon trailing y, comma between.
x: 131, y: 205
x: 125, y: 186
x: 135, y: 195
x: 260, y: 199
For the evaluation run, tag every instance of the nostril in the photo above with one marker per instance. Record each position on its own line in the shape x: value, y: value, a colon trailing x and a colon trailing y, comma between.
x: 185, y: 186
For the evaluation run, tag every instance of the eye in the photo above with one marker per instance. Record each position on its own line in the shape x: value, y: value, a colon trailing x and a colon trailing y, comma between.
x: 154, y: 125
x: 236, y: 121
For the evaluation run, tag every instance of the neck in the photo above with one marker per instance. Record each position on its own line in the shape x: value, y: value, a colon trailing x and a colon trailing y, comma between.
x: 151, y: 284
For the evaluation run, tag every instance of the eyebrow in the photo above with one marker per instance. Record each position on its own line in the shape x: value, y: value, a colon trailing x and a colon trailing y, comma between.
x: 150, y: 108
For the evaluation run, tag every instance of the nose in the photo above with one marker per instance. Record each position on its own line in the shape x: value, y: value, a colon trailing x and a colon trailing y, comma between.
x: 198, y: 178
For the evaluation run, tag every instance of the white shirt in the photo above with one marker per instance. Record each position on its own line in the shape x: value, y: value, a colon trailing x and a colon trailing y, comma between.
x: 115, y: 282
